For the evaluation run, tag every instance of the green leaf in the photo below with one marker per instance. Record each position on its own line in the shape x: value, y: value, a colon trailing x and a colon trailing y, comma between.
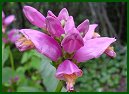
x: 48, y: 74
x: 28, y: 89
x: 26, y: 56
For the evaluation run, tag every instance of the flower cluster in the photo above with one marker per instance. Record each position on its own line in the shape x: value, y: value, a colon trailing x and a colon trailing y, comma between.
x: 63, y: 42
x: 6, y: 21
x: 11, y: 35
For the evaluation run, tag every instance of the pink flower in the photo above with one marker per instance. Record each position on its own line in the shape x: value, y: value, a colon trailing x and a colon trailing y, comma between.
x: 50, y: 13
x: 13, y: 35
x: 69, y: 25
x: 91, y: 34
x: 69, y: 72
x: 82, y: 28
x: 72, y: 41
x: 6, y: 21
x: 62, y: 16
x: 35, y: 17
x: 77, y: 44
x: 43, y: 43
x: 110, y: 52
x: 54, y: 26
x: 93, y: 48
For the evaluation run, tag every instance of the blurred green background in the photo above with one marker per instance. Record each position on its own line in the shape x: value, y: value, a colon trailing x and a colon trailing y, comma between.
x: 32, y: 72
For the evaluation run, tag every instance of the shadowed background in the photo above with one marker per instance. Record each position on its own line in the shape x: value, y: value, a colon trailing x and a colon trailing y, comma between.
x: 102, y: 74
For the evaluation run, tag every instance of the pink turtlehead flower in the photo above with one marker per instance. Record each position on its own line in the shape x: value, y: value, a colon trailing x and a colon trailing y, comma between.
x: 13, y: 35
x: 69, y: 25
x: 6, y: 21
x: 93, y: 48
x: 55, y: 29
x: 54, y: 26
x: 72, y: 41
x: 69, y: 72
x: 79, y: 44
x: 82, y: 28
x: 62, y: 16
x: 35, y: 17
x: 43, y: 43
x: 91, y: 34
x: 50, y: 13
x: 110, y: 52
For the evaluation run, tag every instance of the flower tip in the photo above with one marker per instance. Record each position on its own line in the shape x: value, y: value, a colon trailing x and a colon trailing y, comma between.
x: 50, y: 13
x: 27, y: 7
x: 64, y: 9
x: 110, y: 52
x: 87, y: 20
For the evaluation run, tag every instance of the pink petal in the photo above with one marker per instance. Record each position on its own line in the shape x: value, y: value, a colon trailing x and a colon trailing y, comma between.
x: 72, y: 41
x: 67, y: 67
x: 84, y: 26
x: 90, y: 32
x: 93, y: 48
x: 110, y: 52
x: 54, y: 26
x: 63, y: 15
x: 69, y: 24
x: 13, y: 35
x: 34, y: 16
x: 8, y: 20
x: 50, y: 13
x: 43, y: 43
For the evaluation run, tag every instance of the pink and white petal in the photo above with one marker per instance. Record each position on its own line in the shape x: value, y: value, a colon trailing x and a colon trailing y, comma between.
x: 93, y: 48
x: 84, y: 26
x: 110, y: 52
x: 8, y: 20
x: 69, y: 24
x: 34, y: 16
x: 90, y: 32
x: 67, y: 67
x: 63, y: 15
x: 50, y: 13
x: 72, y: 41
x: 43, y: 43
x: 54, y: 26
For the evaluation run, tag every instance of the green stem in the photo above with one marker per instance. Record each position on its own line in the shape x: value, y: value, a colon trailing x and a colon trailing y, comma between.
x: 59, y: 86
x: 3, y: 48
x: 11, y: 59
